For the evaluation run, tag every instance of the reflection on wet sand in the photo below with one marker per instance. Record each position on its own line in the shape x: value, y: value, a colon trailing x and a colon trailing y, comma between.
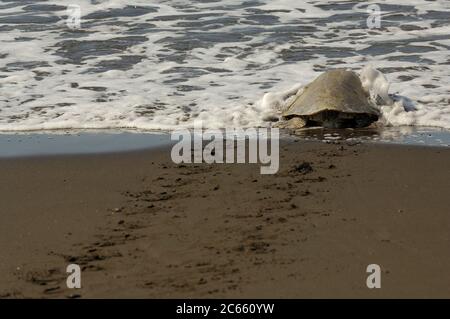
x: 397, y: 135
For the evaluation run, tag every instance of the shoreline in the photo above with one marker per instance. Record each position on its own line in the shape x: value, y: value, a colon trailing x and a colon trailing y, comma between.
x: 141, y: 226
x: 86, y: 142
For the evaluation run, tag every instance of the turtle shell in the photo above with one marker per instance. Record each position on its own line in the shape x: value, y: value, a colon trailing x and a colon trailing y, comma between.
x: 337, y: 90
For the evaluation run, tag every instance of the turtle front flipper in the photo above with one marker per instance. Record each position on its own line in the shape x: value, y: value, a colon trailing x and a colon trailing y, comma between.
x: 292, y: 124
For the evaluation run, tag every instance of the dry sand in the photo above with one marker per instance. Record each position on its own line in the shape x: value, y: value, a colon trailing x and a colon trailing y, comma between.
x: 141, y: 226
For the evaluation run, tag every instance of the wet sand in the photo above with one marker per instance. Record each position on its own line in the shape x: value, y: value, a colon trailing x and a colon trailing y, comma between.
x: 141, y: 226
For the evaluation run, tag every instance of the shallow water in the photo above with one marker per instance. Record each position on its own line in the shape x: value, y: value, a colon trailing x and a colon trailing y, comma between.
x: 91, y: 142
x: 166, y: 63
x: 110, y: 141
x: 418, y: 136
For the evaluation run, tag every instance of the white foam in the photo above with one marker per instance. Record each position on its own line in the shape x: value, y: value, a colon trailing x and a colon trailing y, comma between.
x: 376, y: 85
x: 255, y: 74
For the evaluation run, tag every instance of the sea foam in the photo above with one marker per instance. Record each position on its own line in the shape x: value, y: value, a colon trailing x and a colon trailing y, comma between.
x: 164, y: 64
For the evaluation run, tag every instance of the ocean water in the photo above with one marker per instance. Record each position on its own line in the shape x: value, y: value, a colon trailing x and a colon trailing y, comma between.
x: 165, y: 64
x: 18, y: 145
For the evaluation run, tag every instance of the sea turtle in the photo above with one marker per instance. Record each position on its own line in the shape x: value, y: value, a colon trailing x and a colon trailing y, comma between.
x: 336, y: 99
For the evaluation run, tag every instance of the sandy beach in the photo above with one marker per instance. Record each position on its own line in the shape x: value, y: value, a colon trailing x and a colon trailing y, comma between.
x: 342, y: 191
x: 141, y: 226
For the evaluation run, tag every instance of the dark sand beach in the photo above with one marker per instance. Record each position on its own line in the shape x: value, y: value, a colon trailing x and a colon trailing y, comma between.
x: 141, y: 226
x: 356, y: 92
